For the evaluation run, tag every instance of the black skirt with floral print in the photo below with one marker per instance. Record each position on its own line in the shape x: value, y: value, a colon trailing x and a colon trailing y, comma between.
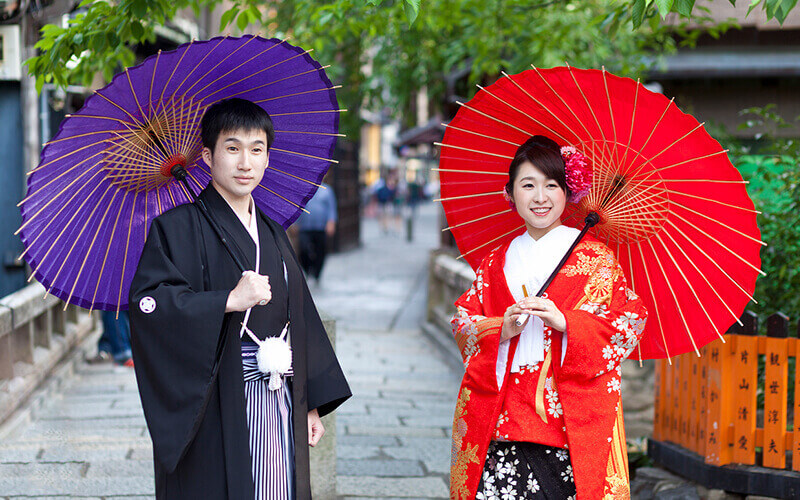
x: 515, y: 469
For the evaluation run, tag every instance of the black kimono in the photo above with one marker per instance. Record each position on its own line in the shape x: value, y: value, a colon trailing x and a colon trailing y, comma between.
x: 187, y: 353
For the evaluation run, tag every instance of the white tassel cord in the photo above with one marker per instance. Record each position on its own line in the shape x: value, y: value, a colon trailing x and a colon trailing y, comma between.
x: 274, y: 356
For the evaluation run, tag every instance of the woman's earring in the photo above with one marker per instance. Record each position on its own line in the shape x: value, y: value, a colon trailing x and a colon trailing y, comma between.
x: 508, y: 198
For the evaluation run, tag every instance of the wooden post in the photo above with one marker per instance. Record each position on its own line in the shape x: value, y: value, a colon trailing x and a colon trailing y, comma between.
x: 684, y: 410
x: 702, y: 401
x: 659, y: 408
x: 674, y: 403
x: 796, y: 433
x: 718, y: 406
x: 775, y: 391
x: 694, y: 396
x: 745, y: 378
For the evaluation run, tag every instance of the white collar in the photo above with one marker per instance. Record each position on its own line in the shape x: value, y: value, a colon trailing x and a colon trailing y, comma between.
x: 530, y: 262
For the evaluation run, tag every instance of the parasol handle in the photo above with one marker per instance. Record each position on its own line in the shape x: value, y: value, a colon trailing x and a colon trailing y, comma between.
x: 180, y: 173
x: 590, y: 221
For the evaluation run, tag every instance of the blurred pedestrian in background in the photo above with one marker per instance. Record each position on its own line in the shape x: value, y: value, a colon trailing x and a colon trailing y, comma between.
x: 316, y: 227
x: 115, y: 343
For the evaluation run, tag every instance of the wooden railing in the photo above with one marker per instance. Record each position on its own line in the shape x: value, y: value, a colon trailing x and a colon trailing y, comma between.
x: 711, y: 405
x: 35, y: 334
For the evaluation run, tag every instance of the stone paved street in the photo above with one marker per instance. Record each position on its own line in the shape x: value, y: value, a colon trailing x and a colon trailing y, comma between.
x: 393, y: 435
x: 88, y: 439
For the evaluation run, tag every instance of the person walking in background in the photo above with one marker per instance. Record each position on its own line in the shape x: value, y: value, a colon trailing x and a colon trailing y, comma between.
x: 115, y: 343
x: 316, y: 226
x: 385, y: 195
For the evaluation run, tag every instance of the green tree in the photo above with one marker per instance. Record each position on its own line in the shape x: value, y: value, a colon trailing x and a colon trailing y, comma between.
x: 384, y: 51
x: 769, y: 164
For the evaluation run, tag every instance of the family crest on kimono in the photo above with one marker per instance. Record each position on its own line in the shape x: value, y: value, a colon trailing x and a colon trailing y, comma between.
x: 539, y: 412
x: 223, y: 424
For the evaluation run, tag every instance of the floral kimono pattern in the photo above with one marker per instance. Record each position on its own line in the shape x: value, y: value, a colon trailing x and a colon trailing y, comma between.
x: 605, y: 320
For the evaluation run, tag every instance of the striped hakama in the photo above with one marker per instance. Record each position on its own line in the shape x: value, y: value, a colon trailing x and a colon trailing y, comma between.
x: 269, y: 419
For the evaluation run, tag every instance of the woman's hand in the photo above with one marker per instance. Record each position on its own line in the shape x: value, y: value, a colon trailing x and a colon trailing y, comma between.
x: 545, y: 309
x: 315, y: 427
x: 534, y: 306
x: 510, y: 328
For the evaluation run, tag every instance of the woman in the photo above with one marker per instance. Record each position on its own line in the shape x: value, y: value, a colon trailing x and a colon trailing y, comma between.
x: 539, y: 412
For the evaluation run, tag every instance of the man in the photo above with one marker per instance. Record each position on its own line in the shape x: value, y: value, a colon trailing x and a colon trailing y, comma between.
x: 316, y: 226
x: 114, y: 345
x: 218, y: 430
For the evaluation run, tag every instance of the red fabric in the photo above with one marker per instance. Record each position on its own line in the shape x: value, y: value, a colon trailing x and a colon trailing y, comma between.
x: 682, y: 225
x: 605, y: 320
x: 518, y: 420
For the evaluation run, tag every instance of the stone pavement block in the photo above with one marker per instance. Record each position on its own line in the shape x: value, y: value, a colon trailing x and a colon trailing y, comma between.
x: 433, y: 419
x: 434, y: 453
x: 367, y: 420
x: 358, y: 452
x: 90, y: 423
x: 420, y: 397
x: 87, y: 487
x: 380, y: 487
x: 396, y: 431
x: 376, y: 498
x: 129, y: 498
x: 26, y: 497
x: 95, y: 390
x: 441, y: 405
x: 357, y: 441
x: 93, y: 452
x: 379, y: 467
x: 351, y: 408
x: 402, y: 413
x: 141, y: 453
x: 378, y: 402
x: 61, y: 431
x: 96, y: 410
x: 117, y: 468
x: 41, y: 470
x: 17, y: 452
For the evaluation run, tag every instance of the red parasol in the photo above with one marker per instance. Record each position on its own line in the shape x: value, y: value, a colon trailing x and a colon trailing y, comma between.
x: 671, y: 205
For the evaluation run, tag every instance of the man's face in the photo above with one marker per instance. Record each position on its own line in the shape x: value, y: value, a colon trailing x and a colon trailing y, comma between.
x: 238, y: 162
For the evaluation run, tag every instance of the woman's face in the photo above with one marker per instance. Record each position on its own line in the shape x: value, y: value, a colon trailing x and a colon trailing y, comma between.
x: 540, y: 201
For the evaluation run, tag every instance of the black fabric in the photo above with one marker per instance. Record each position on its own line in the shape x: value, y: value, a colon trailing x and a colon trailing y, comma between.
x: 313, y: 249
x: 516, y: 469
x: 187, y: 352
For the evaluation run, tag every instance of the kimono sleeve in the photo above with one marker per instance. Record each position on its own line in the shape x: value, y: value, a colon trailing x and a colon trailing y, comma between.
x: 476, y: 334
x: 608, y: 322
x: 175, y: 334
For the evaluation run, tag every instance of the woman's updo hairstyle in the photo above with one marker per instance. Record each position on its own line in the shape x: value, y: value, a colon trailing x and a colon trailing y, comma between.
x: 545, y: 155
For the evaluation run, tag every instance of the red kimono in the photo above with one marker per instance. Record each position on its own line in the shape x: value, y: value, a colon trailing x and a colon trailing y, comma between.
x: 575, y: 404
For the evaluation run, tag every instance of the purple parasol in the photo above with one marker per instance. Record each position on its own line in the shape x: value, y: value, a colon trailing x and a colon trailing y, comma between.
x: 105, y: 175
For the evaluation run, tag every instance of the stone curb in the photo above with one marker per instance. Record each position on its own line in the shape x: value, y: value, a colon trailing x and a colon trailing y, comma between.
x: 53, y: 383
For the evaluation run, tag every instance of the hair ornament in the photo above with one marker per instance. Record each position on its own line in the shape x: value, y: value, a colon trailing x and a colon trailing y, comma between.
x: 578, y: 172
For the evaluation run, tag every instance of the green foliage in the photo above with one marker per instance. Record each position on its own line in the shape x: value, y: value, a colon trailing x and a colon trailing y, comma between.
x: 385, y: 51
x: 770, y: 166
x: 640, y: 10
x: 98, y: 39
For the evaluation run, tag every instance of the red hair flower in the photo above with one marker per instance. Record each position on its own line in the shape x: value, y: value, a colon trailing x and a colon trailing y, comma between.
x: 578, y: 172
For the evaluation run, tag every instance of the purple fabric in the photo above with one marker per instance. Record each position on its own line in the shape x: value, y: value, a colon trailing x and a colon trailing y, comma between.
x: 84, y: 233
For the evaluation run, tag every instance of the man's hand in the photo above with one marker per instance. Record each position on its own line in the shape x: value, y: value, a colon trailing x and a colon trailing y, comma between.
x: 330, y: 228
x: 315, y: 428
x: 252, y: 289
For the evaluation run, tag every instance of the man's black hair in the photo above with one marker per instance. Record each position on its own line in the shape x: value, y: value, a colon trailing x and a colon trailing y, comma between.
x: 234, y: 114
